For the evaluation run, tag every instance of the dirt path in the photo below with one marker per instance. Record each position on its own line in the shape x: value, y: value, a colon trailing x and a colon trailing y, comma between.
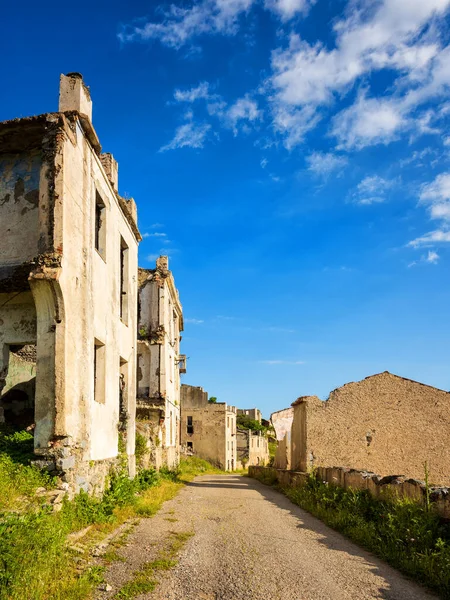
x: 252, y: 543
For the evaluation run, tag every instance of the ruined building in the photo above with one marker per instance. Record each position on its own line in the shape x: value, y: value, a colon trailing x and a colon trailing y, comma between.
x: 251, y: 413
x: 252, y: 448
x: 385, y: 424
x: 159, y: 364
x: 208, y: 429
x: 68, y: 291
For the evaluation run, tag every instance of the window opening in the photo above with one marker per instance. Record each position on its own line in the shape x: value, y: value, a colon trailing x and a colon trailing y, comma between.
x: 124, y: 275
x: 99, y: 372
x: 190, y: 426
x: 123, y: 395
x: 100, y: 226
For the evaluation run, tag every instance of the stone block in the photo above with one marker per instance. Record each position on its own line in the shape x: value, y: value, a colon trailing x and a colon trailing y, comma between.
x: 81, y: 484
x: 66, y: 463
x: 354, y: 480
x: 44, y: 465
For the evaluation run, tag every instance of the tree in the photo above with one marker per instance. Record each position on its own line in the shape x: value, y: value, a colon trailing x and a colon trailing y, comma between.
x: 212, y: 400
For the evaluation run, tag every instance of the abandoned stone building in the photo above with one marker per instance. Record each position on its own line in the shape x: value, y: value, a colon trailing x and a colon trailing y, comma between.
x: 385, y: 424
x: 159, y: 364
x: 251, y: 413
x: 208, y: 429
x: 68, y: 291
x: 252, y: 448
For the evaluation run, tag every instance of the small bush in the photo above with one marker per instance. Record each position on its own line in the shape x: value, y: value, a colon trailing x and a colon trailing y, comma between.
x: 140, y: 448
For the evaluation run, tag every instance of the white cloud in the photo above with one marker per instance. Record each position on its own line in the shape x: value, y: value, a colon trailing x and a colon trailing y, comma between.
x: 446, y: 141
x: 287, y: 9
x: 324, y: 163
x: 389, y: 34
x: 433, y: 237
x: 195, y: 93
x: 152, y: 257
x: 437, y: 195
x: 194, y: 321
x: 368, y: 121
x: 244, y: 111
x: 189, y: 135
x: 432, y: 257
x: 156, y: 234
x: 179, y: 25
x: 264, y: 162
x: 371, y: 190
x: 294, y: 124
x: 417, y: 157
x: 438, y: 191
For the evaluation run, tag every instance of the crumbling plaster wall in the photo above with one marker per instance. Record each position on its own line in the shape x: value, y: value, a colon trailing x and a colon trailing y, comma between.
x: 28, y: 156
x: 91, y: 287
x: 282, y: 422
x: 75, y: 293
x: 19, y: 200
x: 384, y: 424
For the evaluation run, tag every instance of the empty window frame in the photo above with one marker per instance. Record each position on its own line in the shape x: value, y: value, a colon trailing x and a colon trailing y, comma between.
x: 124, y: 280
x: 123, y: 394
x: 99, y: 372
x: 100, y: 226
x: 190, y: 425
x: 190, y: 446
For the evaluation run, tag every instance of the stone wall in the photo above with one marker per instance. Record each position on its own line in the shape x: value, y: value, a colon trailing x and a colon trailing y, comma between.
x: 379, y: 487
x: 384, y: 424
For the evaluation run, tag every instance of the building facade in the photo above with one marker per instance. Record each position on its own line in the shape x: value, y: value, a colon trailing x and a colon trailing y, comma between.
x: 159, y: 364
x: 208, y: 429
x: 252, y: 448
x: 68, y: 291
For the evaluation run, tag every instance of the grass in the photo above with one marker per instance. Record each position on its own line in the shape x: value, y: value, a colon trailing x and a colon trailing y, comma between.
x: 402, y: 532
x: 36, y: 560
x: 145, y: 579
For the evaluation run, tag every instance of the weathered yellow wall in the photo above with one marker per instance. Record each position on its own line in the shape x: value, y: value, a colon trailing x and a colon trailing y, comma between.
x: 385, y: 424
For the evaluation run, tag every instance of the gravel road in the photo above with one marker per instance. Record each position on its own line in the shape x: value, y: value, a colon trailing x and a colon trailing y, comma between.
x: 252, y: 543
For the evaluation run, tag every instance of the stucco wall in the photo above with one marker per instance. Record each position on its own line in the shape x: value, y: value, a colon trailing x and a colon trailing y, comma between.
x: 19, y: 199
x: 385, y: 424
x: 92, y: 296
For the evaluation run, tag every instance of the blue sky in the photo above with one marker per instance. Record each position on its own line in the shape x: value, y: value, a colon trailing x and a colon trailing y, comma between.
x: 292, y: 157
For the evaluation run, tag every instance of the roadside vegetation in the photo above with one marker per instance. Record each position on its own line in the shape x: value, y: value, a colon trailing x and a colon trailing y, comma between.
x: 411, y: 537
x: 37, y: 560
